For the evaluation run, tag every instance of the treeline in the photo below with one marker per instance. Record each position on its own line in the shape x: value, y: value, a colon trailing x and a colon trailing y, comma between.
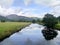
x: 58, y: 19
x: 50, y: 21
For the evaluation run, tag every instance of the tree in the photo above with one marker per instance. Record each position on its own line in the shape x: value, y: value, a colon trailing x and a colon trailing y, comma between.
x: 2, y: 20
x: 33, y: 21
x: 58, y: 19
x: 50, y: 21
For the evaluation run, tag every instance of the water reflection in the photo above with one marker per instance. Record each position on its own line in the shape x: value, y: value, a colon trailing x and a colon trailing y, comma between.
x: 28, y: 42
x: 30, y: 35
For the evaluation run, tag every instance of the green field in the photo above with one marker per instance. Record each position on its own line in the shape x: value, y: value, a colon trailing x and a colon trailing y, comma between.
x: 8, y: 28
x: 58, y: 26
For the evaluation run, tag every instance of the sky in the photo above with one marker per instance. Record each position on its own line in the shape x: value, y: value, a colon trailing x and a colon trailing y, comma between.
x: 30, y: 8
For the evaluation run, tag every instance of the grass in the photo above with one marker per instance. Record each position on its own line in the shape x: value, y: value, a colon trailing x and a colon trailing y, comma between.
x: 8, y: 28
x: 58, y: 26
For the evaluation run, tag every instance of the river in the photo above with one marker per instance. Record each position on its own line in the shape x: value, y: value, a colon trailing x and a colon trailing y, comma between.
x: 30, y: 35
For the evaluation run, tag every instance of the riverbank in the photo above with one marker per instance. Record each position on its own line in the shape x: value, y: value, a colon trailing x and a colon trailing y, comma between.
x: 58, y: 26
x: 30, y: 35
x: 8, y: 28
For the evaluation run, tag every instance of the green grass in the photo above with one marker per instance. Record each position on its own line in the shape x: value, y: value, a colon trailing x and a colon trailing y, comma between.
x: 8, y: 28
x: 58, y: 26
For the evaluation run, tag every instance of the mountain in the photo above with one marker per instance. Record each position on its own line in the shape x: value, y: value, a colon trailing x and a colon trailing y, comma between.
x: 4, y: 18
x: 18, y: 18
x: 14, y: 17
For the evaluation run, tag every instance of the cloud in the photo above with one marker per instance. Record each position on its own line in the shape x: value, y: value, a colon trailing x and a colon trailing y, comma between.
x: 56, y: 11
x: 54, y: 4
x: 27, y: 2
x: 51, y: 3
x: 29, y: 13
x: 7, y: 11
x: 6, y: 3
x: 5, y: 7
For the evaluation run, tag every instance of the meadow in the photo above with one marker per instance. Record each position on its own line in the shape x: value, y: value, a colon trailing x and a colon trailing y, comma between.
x: 8, y: 28
x: 58, y: 26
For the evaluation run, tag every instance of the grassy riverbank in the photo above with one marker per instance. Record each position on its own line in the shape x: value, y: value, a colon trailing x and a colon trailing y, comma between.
x: 58, y: 26
x: 8, y: 28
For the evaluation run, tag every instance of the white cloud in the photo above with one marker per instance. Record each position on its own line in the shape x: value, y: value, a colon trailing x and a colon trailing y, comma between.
x: 27, y: 2
x: 54, y: 4
x: 50, y: 3
x: 56, y: 11
x: 7, y: 11
x: 5, y: 7
x: 30, y: 14
x: 27, y: 14
x: 6, y: 3
x: 4, y: 10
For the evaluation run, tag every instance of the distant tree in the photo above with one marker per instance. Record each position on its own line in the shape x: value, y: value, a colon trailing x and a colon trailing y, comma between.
x: 38, y: 20
x: 58, y: 19
x: 2, y: 20
x: 50, y: 21
x: 33, y: 21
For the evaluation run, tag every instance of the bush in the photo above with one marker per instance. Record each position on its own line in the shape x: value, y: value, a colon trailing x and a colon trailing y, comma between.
x: 57, y: 26
x: 2, y: 20
x: 50, y: 21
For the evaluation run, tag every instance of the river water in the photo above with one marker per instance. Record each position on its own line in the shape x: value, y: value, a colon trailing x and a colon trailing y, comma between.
x: 30, y: 35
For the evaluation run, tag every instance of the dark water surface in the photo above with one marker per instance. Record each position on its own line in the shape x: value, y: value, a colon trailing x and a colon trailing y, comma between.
x: 31, y: 35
